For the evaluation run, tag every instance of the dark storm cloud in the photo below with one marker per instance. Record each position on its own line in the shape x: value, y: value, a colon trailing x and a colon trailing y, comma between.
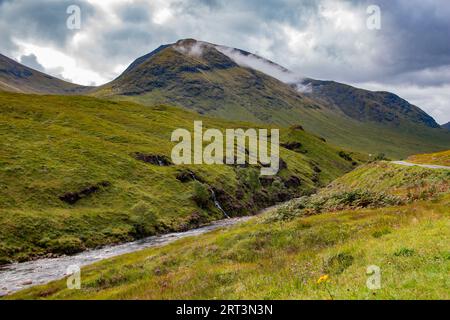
x: 135, y: 14
x: 417, y: 34
x: 325, y: 39
x: 414, y: 34
x: 31, y: 61
x: 44, y: 20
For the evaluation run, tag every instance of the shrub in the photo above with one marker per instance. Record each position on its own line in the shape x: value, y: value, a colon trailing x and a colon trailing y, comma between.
x: 341, y: 200
x: 143, y: 219
x: 281, y: 214
x: 338, y: 263
x: 380, y: 157
x: 4, y: 253
x: 66, y: 245
x: 249, y: 178
x: 404, y: 252
x: 345, y: 156
x: 201, y: 194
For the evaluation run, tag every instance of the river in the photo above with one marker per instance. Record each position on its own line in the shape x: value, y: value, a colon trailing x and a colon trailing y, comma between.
x: 18, y: 276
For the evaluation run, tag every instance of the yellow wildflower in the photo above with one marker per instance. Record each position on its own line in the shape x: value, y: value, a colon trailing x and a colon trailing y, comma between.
x: 324, y: 278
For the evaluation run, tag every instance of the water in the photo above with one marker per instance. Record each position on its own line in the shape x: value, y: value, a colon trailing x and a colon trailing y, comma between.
x: 217, y: 204
x: 18, y: 276
x: 214, y: 198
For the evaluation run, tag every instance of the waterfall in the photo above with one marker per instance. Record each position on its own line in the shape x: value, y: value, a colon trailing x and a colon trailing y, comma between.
x: 217, y: 204
x: 213, y: 194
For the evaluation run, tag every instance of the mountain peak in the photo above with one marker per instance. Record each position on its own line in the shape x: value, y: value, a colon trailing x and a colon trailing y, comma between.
x: 187, y: 42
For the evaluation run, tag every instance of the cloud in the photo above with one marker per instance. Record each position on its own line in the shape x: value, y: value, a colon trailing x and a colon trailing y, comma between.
x: 260, y: 64
x: 31, y: 61
x: 323, y: 39
x: 193, y: 49
x: 274, y: 70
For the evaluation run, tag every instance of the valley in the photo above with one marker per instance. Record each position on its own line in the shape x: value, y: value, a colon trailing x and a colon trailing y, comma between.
x: 94, y: 172
x: 88, y: 177
x: 395, y: 219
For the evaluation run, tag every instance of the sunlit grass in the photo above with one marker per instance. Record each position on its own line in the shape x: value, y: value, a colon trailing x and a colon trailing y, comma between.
x: 283, y: 260
x: 438, y: 158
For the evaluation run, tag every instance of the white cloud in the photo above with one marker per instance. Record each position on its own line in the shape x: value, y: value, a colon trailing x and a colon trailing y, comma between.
x: 259, y: 64
x: 66, y: 66
x: 162, y: 16
x: 193, y: 49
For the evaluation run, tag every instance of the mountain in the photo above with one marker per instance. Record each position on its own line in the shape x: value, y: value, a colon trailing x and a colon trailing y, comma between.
x: 446, y: 126
x: 78, y: 172
x: 197, y: 76
x: 368, y: 106
x: 237, y: 85
x: 15, y: 77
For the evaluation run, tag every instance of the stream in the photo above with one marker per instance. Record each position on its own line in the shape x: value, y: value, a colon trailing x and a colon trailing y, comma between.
x: 17, y: 276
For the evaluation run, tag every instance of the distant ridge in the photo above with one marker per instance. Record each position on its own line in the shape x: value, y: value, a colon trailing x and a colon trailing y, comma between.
x: 15, y: 77
x: 365, y: 105
x: 446, y: 126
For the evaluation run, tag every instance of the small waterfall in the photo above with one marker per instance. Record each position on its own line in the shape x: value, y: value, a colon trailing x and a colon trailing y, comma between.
x: 213, y: 194
x: 217, y: 204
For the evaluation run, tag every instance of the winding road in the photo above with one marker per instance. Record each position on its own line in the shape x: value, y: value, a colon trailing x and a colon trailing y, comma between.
x: 429, y: 166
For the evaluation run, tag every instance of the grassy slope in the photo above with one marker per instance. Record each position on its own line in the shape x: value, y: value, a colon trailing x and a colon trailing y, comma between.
x: 338, y: 129
x: 53, y: 145
x: 283, y: 260
x: 415, y: 182
x: 438, y: 158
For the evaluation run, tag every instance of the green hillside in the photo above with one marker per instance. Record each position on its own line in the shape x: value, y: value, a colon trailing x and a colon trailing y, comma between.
x: 394, y: 179
x: 446, y: 126
x: 363, y: 105
x: 437, y: 158
x: 78, y: 172
x: 295, y: 253
x: 197, y: 76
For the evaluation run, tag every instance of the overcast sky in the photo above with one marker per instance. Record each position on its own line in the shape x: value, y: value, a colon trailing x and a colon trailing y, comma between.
x: 324, y: 39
